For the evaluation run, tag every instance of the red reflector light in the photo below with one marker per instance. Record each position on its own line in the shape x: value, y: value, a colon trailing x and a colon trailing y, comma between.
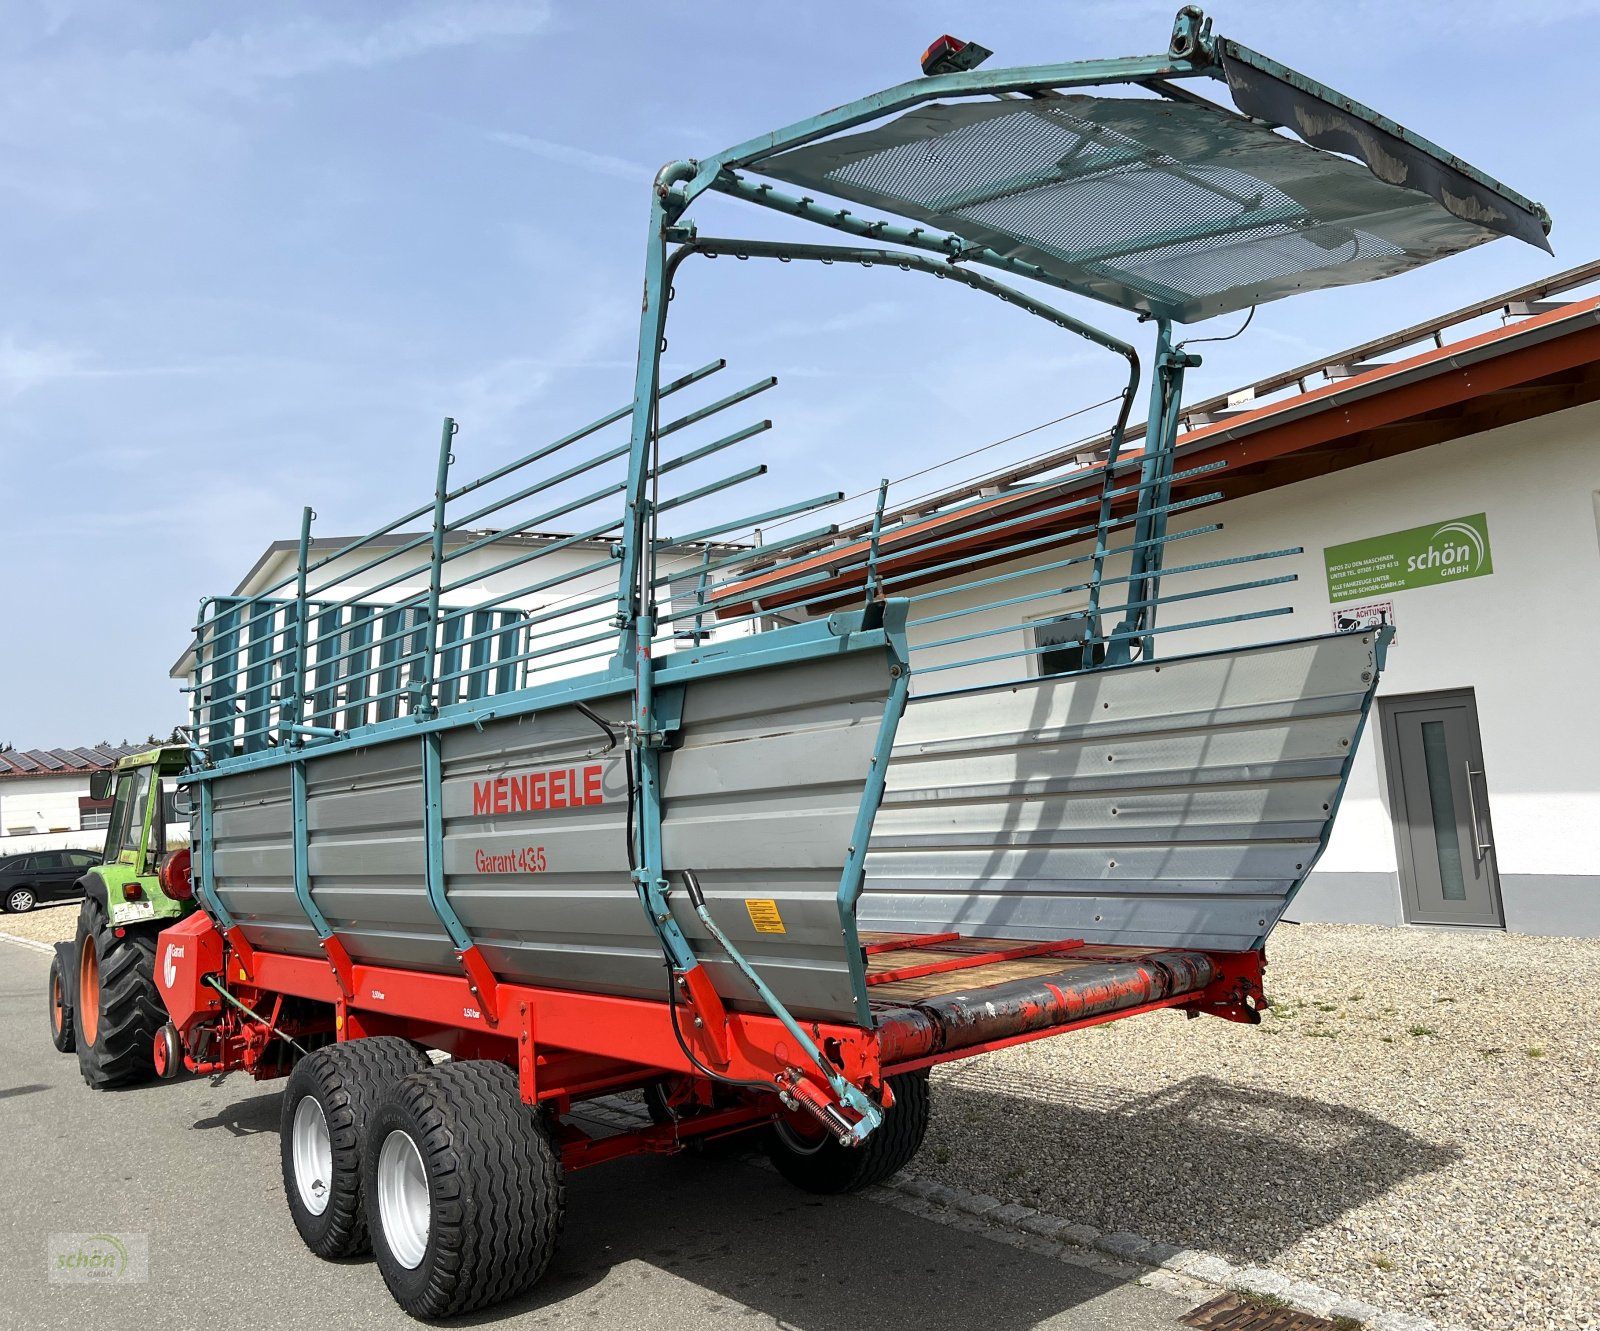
x: 939, y: 52
x: 132, y: 891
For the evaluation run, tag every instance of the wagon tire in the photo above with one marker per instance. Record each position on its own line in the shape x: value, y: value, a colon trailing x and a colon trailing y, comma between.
x: 116, y: 1008
x: 465, y: 1193
x: 823, y: 1166
x: 331, y: 1097
x: 58, y: 998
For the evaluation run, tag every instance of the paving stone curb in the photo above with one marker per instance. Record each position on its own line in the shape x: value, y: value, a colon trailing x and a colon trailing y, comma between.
x: 1182, y: 1271
x: 32, y: 943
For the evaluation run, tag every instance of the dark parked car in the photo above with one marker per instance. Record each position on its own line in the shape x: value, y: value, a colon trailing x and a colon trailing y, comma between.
x: 42, y: 875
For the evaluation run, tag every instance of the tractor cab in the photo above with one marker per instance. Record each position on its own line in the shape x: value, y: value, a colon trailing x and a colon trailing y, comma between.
x: 142, y: 838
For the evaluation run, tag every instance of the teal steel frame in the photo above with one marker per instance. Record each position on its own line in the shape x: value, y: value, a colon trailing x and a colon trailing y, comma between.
x: 628, y: 665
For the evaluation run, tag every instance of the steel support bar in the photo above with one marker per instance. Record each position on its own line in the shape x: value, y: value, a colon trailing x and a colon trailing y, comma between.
x: 701, y: 175
x: 481, y: 981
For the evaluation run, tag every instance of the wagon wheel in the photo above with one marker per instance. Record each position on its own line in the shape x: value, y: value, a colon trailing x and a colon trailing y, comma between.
x: 464, y: 1190
x: 811, y: 1158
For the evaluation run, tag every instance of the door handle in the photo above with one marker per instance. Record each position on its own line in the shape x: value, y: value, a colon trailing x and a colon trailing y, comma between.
x: 1480, y: 847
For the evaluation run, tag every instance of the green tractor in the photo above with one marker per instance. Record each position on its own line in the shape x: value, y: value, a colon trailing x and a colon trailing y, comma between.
x: 103, y: 1000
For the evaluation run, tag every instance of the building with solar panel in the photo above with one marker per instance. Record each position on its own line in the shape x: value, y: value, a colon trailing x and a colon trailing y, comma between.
x: 44, y: 798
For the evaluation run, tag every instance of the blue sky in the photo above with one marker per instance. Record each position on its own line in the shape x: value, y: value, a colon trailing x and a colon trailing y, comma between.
x: 253, y: 253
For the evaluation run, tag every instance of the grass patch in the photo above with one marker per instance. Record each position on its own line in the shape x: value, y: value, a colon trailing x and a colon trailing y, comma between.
x: 1423, y: 1032
x: 1270, y: 1302
x: 1348, y: 1324
x: 1383, y: 1263
x: 1535, y: 1051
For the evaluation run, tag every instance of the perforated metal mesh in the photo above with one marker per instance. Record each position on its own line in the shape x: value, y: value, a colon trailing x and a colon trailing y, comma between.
x: 1163, y: 207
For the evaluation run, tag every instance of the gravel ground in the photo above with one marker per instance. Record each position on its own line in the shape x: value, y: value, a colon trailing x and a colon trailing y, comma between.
x: 1416, y: 1123
x: 55, y: 922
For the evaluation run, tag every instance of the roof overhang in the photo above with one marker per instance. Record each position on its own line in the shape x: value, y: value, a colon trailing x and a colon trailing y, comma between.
x: 1547, y: 363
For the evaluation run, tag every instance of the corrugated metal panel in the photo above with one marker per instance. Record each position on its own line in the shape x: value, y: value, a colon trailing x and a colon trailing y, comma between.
x: 254, y: 860
x: 761, y: 801
x: 366, y: 857
x: 760, y: 796
x: 1176, y: 804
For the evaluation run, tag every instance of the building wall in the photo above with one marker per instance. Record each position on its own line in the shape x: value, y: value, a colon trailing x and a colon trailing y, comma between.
x: 1525, y: 639
x: 583, y: 573
x: 41, y: 813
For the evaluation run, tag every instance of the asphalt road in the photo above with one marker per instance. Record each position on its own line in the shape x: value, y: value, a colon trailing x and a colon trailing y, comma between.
x: 650, y: 1242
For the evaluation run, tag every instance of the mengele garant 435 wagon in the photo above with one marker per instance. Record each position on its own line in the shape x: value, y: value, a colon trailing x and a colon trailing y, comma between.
x: 640, y: 838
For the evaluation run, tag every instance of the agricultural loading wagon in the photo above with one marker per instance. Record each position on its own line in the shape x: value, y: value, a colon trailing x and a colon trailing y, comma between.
x: 753, y: 849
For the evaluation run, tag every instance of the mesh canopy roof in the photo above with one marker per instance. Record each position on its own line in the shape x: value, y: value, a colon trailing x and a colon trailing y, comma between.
x: 1170, y: 208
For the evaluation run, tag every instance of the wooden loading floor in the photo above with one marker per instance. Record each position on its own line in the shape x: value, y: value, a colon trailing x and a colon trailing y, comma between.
x: 933, y: 994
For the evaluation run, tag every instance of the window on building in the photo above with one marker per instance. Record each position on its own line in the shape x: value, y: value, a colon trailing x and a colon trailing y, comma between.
x: 685, y: 597
x: 1059, y: 645
x: 93, y: 815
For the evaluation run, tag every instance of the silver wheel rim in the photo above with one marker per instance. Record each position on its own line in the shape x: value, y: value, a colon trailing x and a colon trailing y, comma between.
x: 403, y: 1201
x: 313, y: 1156
x: 20, y: 900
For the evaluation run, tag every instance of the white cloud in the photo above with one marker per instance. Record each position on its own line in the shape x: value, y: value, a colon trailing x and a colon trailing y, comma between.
x: 25, y: 367
x: 236, y: 62
x: 598, y: 163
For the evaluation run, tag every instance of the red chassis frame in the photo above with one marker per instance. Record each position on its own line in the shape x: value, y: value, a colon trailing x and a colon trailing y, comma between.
x: 567, y: 1046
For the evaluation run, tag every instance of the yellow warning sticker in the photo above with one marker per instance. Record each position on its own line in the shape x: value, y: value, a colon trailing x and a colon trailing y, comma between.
x: 764, y: 915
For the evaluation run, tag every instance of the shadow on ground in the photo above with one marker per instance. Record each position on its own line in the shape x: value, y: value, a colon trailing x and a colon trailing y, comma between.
x: 727, y: 1236
x: 1246, y: 1173
x: 1201, y: 1163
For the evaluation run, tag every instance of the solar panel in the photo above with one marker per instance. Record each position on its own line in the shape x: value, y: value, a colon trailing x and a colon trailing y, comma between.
x: 47, y: 760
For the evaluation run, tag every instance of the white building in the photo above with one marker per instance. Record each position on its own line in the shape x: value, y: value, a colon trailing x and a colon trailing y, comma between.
x: 1454, y: 493
x: 548, y: 614
x: 44, y: 798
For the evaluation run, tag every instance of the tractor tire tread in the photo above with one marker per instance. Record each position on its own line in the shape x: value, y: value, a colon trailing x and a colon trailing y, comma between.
x: 131, y: 1010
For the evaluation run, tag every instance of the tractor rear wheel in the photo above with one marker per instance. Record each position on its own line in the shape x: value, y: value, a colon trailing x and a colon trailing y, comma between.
x: 465, y: 1192
x: 59, y: 1004
x: 331, y: 1097
x: 117, y: 1009
x: 816, y: 1162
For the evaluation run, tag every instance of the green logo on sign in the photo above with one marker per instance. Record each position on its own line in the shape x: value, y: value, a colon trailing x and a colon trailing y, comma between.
x: 1417, y: 557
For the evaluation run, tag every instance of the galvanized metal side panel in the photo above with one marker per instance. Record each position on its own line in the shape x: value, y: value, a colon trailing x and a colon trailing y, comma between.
x: 759, y: 799
x: 365, y: 855
x: 1175, y: 804
x: 253, y: 833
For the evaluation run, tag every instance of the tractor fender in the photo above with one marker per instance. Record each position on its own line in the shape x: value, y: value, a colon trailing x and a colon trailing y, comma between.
x: 94, y: 889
